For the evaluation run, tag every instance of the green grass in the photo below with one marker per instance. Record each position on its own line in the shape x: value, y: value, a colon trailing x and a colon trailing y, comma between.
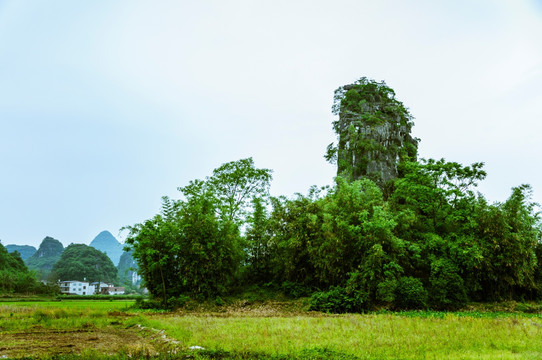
x: 376, y: 336
x: 72, y: 304
x: 256, y: 332
x: 17, y: 316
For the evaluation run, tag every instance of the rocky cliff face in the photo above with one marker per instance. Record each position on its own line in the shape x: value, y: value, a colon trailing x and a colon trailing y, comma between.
x: 373, y: 132
x: 385, y: 142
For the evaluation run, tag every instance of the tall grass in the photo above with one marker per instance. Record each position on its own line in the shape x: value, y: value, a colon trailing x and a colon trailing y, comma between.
x: 58, y: 315
x: 377, y: 336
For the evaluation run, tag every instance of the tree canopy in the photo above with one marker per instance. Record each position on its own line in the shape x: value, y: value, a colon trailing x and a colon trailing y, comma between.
x: 194, y: 245
x: 82, y: 262
x: 233, y: 186
x: 14, y: 275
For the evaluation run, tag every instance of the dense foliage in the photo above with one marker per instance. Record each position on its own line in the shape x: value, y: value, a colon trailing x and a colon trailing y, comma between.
x: 194, y: 246
x: 83, y: 262
x: 423, y: 239
x: 15, y: 276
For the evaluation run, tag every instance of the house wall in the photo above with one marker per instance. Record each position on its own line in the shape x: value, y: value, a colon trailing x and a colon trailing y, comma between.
x: 84, y: 288
x: 76, y: 288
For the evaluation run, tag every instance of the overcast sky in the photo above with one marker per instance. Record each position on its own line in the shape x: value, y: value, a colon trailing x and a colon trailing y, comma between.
x: 105, y: 106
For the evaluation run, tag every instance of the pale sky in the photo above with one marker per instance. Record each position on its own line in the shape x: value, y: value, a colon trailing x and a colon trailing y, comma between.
x: 105, y: 106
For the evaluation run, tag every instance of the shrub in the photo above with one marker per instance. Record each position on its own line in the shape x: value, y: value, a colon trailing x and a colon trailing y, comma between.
x: 295, y: 290
x: 177, y: 302
x: 219, y: 301
x: 338, y: 300
x: 386, y: 290
x: 447, y: 291
x: 150, y: 304
x: 410, y: 294
x: 528, y: 308
x: 157, y: 304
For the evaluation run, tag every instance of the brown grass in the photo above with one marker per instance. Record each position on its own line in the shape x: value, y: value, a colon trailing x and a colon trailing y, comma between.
x: 41, y: 342
x: 244, y: 308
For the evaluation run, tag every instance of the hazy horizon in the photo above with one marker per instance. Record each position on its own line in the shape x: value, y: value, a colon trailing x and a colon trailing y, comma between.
x: 65, y: 244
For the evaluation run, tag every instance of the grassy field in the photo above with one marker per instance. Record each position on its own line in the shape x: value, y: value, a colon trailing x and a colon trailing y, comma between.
x: 111, y: 330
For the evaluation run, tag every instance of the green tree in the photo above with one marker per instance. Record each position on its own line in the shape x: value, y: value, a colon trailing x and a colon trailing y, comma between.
x: 440, y: 193
x: 194, y: 246
x: 258, y: 242
x: 343, y: 238
x: 357, y: 236
x: 154, y: 246
x: 435, y: 203
x: 508, y: 234
x: 80, y: 262
x: 295, y: 225
x: 211, y: 252
x: 14, y: 275
x: 234, y: 185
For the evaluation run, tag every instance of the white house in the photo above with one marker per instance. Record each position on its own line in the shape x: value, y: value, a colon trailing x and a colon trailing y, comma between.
x: 107, y: 289
x: 101, y: 287
x: 116, y: 290
x: 74, y: 287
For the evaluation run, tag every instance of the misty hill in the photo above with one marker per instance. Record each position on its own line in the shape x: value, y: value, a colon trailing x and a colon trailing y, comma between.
x: 47, y: 255
x: 25, y: 251
x: 128, y: 269
x: 107, y: 243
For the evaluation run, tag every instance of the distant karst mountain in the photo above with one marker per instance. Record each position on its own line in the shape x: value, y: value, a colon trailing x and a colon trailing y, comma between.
x: 25, y: 251
x: 107, y: 243
x: 47, y: 255
x: 128, y: 269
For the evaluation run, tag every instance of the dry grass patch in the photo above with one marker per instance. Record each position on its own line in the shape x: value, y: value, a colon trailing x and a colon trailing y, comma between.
x: 38, y: 342
x: 245, y: 308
